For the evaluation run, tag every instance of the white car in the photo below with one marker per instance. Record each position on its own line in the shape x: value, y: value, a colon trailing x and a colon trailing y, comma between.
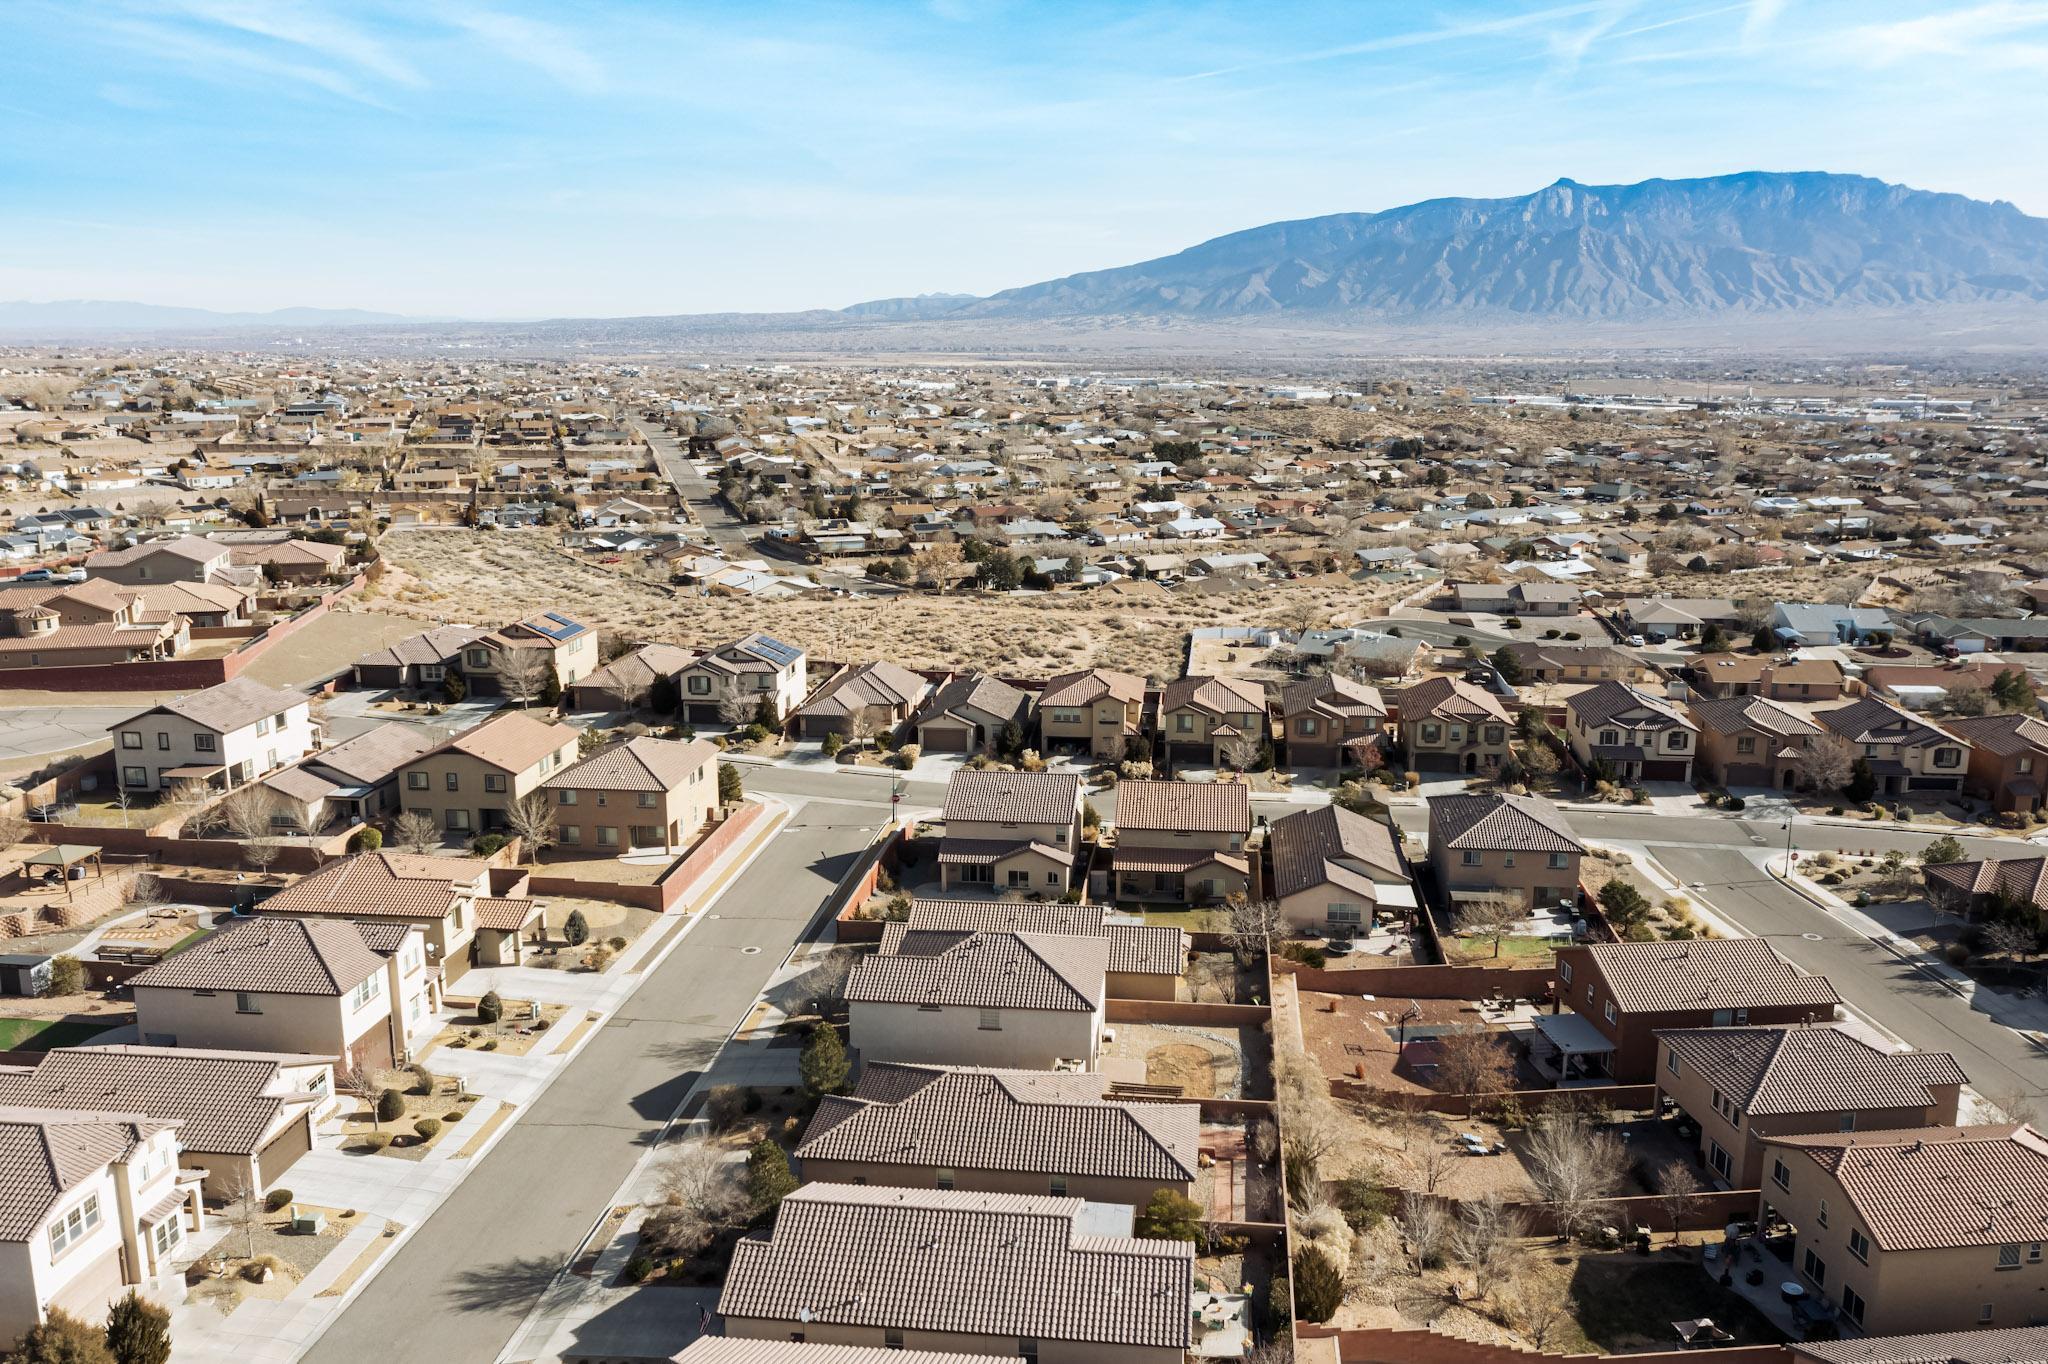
x: 1636, y: 641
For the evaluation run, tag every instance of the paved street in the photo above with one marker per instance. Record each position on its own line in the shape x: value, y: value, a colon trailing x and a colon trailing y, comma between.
x: 456, y: 1292
x: 727, y: 531
x: 30, y: 731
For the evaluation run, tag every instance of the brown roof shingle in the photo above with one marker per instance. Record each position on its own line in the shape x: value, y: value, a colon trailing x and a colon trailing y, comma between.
x: 1771, y: 1071
x: 1706, y: 973
x: 270, y: 955
x: 994, y: 797
x: 1932, y: 1188
x: 1184, y: 806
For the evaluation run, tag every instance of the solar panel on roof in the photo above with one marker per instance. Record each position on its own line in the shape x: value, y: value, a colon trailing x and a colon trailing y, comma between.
x: 567, y: 628
x: 775, y: 651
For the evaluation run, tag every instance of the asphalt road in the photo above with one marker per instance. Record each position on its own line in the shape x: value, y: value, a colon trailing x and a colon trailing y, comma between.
x: 30, y: 731
x: 725, y: 529
x: 458, y: 1290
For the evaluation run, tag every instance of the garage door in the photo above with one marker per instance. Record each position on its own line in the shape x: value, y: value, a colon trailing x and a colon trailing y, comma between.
x: 1434, y: 762
x: 1665, y: 770
x: 944, y: 738
x: 284, y: 1148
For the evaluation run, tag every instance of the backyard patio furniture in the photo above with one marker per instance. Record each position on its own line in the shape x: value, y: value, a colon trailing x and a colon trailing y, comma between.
x: 1700, y: 1332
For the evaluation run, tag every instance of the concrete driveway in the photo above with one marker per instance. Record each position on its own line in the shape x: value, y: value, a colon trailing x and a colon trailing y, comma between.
x: 31, y: 731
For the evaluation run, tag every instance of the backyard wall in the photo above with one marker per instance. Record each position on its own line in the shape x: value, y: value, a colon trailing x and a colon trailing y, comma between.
x: 1396, y: 1346
x: 1426, y: 982
x: 1637, y: 1098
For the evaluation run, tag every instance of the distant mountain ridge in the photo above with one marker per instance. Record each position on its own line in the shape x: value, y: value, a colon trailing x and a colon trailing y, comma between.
x: 1758, y: 241
x: 82, y: 314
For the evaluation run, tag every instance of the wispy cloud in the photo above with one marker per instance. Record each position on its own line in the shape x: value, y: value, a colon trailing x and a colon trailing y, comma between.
x: 1394, y: 42
x: 311, y: 28
x: 1991, y: 34
x: 529, y: 42
x: 1761, y: 19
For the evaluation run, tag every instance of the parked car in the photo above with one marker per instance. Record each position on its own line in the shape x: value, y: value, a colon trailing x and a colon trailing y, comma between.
x: 36, y: 575
x: 1636, y: 641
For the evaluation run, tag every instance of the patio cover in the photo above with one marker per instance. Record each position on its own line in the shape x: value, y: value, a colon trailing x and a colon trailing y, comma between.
x: 1573, y: 1034
x: 194, y: 772
x: 62, y: 855
x: 1394, y: 894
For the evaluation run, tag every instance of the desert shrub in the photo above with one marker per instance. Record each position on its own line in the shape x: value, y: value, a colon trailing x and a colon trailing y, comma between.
x: 638, y: 1268
x: 1363, y: 1202
x: 427, y: 1127
x: 67, y: 976
x: 374, y: 1141
x: 490, y: 1008
x: 138, y: 1331
x: 1318, y: 1286
x: 390, y: 1106
x: 486, y: 844
x: 724, y: 1107
x: 575, y: 929
x: 366, y: 840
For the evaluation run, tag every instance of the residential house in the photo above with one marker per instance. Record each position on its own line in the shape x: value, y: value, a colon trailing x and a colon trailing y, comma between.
x: 1742, y: 1085
x: 1977, y: 1346
x: 1625, y: 993
x: 1550, y: 663
x: 1183, y: 841
x: 1146, y: 961
x: 244, y: 1117
x: 1989, y: 886
x: 1751, y: 741
x: 233, y: 732
x: 1518, y: 599
x: 1000, y: 1131
x: 872, y: 699
x: 757, y: 666
x: 968, y: 714
x: 470, y: 782
x: 1013, y: 999
x: 354, y: 992
x: 1917, y: 1229
x: 92, y: 1204
x: 1097, y: 712
x: 2008, y: 757
x: 1052, y: 1279
x: 642, y: 793
x: 292, y: 561
x: 1018, y: 831
x: 449, y: 899
x: 186, y: 559
x: 640, y: 680
x: 356, y: 781
x: 1660, y: 618
x: 1484, y: 845
x: 1336, y: 871
x: 1905, y: 752
x: 1448, y: 725
x: 1329, y: 721
x: 423, y: 660
x: 531, y: 658
x: 1614, y: 727
x: 92, y: 623
x: 1213, y: 721
x: 1777, y: 679
x: 1818, y: 624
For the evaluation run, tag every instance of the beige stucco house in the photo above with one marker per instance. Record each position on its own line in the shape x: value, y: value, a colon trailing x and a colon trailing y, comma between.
x: 468, y: 783
x: 638, y: 794
x: 1182, y: 841
x: 1096, y: 712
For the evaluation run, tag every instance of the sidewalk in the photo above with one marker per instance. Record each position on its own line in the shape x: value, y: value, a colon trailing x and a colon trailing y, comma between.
x: 405, y: 1192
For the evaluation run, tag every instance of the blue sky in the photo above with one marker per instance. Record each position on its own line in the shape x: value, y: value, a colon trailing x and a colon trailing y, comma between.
x: 495, y: 159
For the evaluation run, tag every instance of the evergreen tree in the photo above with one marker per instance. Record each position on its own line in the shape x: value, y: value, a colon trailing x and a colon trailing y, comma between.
x: 138, y: 1332
x: 823, y: 1066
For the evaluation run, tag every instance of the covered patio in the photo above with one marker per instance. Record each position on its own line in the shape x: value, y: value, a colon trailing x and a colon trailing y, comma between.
x: 1568, y: 1050
x: 57, y: 861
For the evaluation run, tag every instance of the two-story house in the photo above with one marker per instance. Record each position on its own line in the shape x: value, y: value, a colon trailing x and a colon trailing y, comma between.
x: 642, y: 793
x: 1327, y: 720
x: 185, y: 559
x: 1017, y: 831
x: 1983, y: 885
x: 2008, y: 758
x: 1776, y: 679
x: 1201, y: 719
x: 1336, y: 871
x: 230, y: 733
x: 1614, y: 727
x: 1494, y: 844
x: 1742, y: 1085
x: 1023, y: 1000
x: 422, y: 660
x: 1097, y: 712
x: 1183, y: 841
x: 448, y: 899
x: 469, y: 782
x: 357, y: 992
x: 1905, y: 752
x: 757, y: 666
x: 527, y: 658
x: 968, y: 714
x: 1917, y: 1229
x: 1448, y: 725
x: 1752, y: 741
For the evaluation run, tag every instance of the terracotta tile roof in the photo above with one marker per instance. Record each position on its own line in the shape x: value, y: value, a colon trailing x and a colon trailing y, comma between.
x: 2015, y: 1345
x: 1214, y: 695
x: 2003, y: 735
x: 1932, y: 1188
x: 47, y: 1152
x: 1086, y: 688
x: 190, y: 547
x: 1706, y: 973
x: 991, y: 797
x: 1183, y: 807
x: 511, y: 740
x: 1308, y: 848
x: 1729, y: 714
x: 982, y: 852
x: 1500, y: 823
x: 1774, y: 1071
x: 642, y: 764
x: 505, y: 915
x: 751, y: 654
x: 1873, y: 721
x: 732, y: 1350
x: 1333, y: 695
x: 1035, y: 1122
x: 1008, y: 1265
x: 229, y: 706
x: 1610, y: 702
x: 1156, y: 949
x: 1448, y: 698
x: 2024, y: 879
x: 384, y: 884
x: 226, y: 1101
x: 270, y: 955
x: 437, y: 645
x: 375, y: 754
x: 871, y: 684
x: 991, y: 970
x: 977, y: 696
x: 1170, y: 860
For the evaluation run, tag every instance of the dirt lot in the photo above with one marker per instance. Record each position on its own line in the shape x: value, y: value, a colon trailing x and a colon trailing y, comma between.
x: 1363, y: 1039
x: 476, y: 576
x: 328, y: 645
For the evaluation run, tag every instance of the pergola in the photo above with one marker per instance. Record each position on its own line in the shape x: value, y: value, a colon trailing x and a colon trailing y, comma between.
x: 63, y: 857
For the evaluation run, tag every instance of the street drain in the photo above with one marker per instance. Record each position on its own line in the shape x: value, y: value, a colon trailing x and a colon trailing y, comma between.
x: 749, y: 951
x: 1811, y: 937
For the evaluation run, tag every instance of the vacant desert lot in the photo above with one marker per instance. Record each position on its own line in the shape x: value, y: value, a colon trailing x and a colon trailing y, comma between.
x: 482, y: 576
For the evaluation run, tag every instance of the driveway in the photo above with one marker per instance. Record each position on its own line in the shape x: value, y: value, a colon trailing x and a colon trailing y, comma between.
x: 458, y: 1290
x: 31, y: 731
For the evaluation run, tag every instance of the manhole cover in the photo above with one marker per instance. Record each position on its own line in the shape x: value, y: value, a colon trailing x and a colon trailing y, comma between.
x: 748, y: 951
x: 1811, y: 937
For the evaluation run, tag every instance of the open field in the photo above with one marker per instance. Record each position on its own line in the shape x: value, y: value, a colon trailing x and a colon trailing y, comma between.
x: 452, y: 575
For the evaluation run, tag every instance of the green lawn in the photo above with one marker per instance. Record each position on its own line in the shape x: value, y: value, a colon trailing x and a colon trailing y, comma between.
x: 195, y: 936
x: 41, y: 1034
x: 1621, y: 1303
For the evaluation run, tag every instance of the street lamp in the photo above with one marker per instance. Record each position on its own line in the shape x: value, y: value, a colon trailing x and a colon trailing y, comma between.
x: 1786, y: 872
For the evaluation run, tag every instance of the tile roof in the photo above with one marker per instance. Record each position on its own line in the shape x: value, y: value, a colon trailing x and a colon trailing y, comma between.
x: 1448, y: 698
x: 386, y: 884
x: 993, y: 797
x: 1728, y: 714
x: 1928, y: 1188
x: 1221, y: 807
x: 641, y: 764
x: 1216, y: 695
x: 871, y: 684
x: 270, y: 955
x: 733, y: 1350
x: 1612, y: 701
x: 1873, y: 721
x: 1157, y: 949
x: 2003, y: 735
x: 1706, y: 973
x: 46, y: 1152
x: 2024, y: 879
x: 979, y: 696
x: 512, y: 740
x: 1034, y: 1122
x: 1334, y: 695
x: 1773, y: 1071
x: 2014, y: 1345
x: 503, y: 915
x: 375, y: 754
x: 641, y: 667
x: 230, y: 705
x: 1003, y: 1265
x: 437, y: 645
x: 1307, y: 849
x: 987, y: 970
x: 754, y: 653
x: 1085, y: 688
x: 1131, y: 857
x: 1500, y: 823
x: 191, y: 547
x: 226, y: 1101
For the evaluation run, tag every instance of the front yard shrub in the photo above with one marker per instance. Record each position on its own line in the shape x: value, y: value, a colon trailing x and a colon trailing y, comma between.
x: 452, y: 1115
x: 575, y: 929
x: 486, y: 844
x: 833, y: 743
x: 616, y: 944
x: 67, y: 976
x: 489, y: 1044
x: 597, y: 958
x: 722, y: 1109
x: 366, y: 840
x: 769, y: 1179
x: 823, y: 1065
x: 490, y: 1008
x: 424, y: 1081
x: 752, y: 1102
x: 390, y: 1106
x: 1170, y: 1216
x: 276, y: 1199
x: 375, y: 1141
x: 638, y: 1268
x: 138, y: 1331
x: 427, y: 1127
x: 1318, y: 1287
x: 62, y: 1339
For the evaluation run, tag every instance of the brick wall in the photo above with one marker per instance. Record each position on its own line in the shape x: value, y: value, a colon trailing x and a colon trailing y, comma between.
x: 1417, y: 1346
x: 1426, y: 982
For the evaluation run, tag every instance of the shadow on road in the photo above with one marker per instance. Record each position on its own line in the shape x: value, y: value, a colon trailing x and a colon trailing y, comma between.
x: 489, y: 1287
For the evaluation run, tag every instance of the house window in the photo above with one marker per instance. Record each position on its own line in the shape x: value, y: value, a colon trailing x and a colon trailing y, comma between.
x: 943, y: 1178
x: 1470, y: 858
x: 202, y: 743
x: 246, y: 1003
x: 565, y: 797
x: 1564, y: 973
x: 1607, y: 1011
x: 1780, y: 1176
x: 1718, y: 1158
x: 1814, y: 1268
x: 607, y: 836
x: 892, y: 1340
x: 1057, y: 1186
x: 1848, y: 1123
x: 1507, y: 860
x: 1852, y: 1304
x: 1027, y: 1348
x: 167, y: 1235
x: 1609, y: 738
x: 1984, y: 1314
x: 1183, y: 723
x: 479, y: 658
x: 1859, y: 1245
x: 372, y: 986
x: 1671, y: 1062
x: 1822, y: 1216
x: 458, y: 820
x: 453, y: 781
x: 2034, y: 1253
x: 1495, y: 734
x: 1305, y: 725
x: 135, y: 776
x: 163, y: 741
x: 130, y: 739
x: 1947, y: 757
x: 1432, y: 733
x: 74, y: 1225
x: 1558, y: 861
x: 2008, y: 1257
x: 700, y: 685
x: 416, y: 781
x: 1745, y: 743
x: 570, y: 834
x: 494, y: 782
x: 991, y: 1020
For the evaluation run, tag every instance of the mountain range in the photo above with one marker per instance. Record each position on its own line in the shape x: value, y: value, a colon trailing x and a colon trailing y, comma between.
x: 1757, y: 248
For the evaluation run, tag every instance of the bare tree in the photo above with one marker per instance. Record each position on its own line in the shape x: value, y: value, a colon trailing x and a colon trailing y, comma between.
x: 524, y: 673
x: 416, y: 832
x: 1311, y: 1126
x: 1426, y: 1223
x: 1473, y: 1061
x: 244, y: 1213
x: 635, y: 686
x: 1433, y: 1165
x: 141, y: 888
x: 735, y: 706
x: 253, y: 815
x: 1680, y: 1190
x: 1487, y: 1240
x: 13, y: 828
x: 699, y: 1193
x: 1826, y: 762
x: 532, y: 818
x: 860, y: 726
x: 363, y: 1085
x: 1574, y: 1165
x: 1253, y: 925
x: 1490, y: 916
x: 1242, y: 751
x: 197, y: 797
